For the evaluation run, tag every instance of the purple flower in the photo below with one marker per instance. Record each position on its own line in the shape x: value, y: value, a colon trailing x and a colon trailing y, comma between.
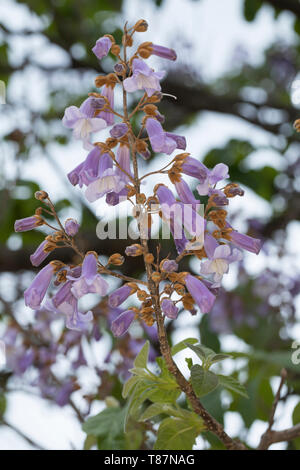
x: 220, y: 256
x: 119, y: 296
x: 82, y: 124
x: 200, y: 293
x: 169, y: 266
x: 111, y: 180
x: 102, y: 47
x: 163, y: 52
x: 219, y: 198
x: 113, y: 198
x: 143, y: 78
x: 62, y: 395
x: 63, y: 294
x: 181, y: 216
x: 162, y: 141
x: 218, y: 173
x: 75, y: 320
x: 179, y: 139
x: 29, y: 223
x: 193, y: 167
x: 39, y: 255
x: 119, y: 130
x: 169, y: 308
x: 91, y: 105
x: 91, y: 168
x: 122, y: 323
x: 89, y: 281
x: 108, y: 92
x: 37, y: 290
x: 133, y: 250
x: 71, y: 227
x: 244, y: 241
x: 185, y: 193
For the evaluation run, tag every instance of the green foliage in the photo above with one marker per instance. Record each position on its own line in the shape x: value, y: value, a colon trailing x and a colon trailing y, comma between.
x: 251, y: 8
x: 178, y: 434
x: 107, y: 430
x: 203, y: 381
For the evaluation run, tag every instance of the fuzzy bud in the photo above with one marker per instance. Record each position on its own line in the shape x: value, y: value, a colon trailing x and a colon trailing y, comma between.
x: 40, y: 195
x: 115, y: 49
x: 156, y: 277
x: 71, y: 227
x: 141, y: 26
x: 116, y: 259
x: 149, y: 258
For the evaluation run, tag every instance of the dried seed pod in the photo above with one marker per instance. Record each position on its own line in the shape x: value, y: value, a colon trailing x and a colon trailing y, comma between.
x: 179, y: 289
x: 188, y: 301
x: 149, y: 258
x: 100, y: 80
x: 115, y: 49
x: 38, y: 211
x: 140, y: 198
x: 142, y: 295
x: 116, y: 259
x: 40, y: 195
x: 156, y: 277
x: 141, y: 26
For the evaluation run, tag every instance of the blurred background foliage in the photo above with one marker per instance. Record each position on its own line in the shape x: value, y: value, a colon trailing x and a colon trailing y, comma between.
x: 259, y: 312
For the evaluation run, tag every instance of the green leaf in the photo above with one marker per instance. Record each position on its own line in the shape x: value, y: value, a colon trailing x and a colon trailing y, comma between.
x: 178, y: 434
x: 128, y: 386
x: 251, y: 8
x: 2, y: 405
x: 89, y: 442
x: 296, y: 420
x: 182, y: 345
x: 203, y: 381
x: 108, y: 427
x: 141, y: 359
x: 219, y: 358
x: 189, y: 362
x: 232, y: 384
x: 153, y: 410
x: 108, y: 420
x: 202, y: 352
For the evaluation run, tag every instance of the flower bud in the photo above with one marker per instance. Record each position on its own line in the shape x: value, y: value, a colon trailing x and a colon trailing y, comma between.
x: 40, y: 195
x: 141, y: 26
x: 134, y: 250
x: 116, y: 259
x: 71, y: 227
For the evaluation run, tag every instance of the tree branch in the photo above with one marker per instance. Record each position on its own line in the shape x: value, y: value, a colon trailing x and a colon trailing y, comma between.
x: 271, y: 437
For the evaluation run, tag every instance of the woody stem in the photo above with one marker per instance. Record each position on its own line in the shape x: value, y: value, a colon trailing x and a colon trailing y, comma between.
x: 211, y: 424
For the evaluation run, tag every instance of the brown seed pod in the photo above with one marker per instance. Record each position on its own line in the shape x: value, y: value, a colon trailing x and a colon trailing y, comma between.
x: 115, y: 49
x: 140, y: 198
x: 40, y: 195
x: 150, y: 109
x: 116, y: 259
x: 142, y: 295
x: 179, y: 289
x: 156, y: 277
x: 141, y: 26
x: 100, y: 80
x: 149, y: 258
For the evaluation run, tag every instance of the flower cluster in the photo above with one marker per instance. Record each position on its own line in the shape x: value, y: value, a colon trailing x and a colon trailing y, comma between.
x: 110, y: 169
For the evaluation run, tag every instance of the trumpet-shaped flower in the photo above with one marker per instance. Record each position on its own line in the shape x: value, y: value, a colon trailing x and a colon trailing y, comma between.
x: 143, y: 78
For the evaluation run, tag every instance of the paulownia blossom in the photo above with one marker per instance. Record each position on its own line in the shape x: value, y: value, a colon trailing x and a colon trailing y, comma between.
x: 82, y: 123
x: 143, y: 78
x: 110, y: 169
